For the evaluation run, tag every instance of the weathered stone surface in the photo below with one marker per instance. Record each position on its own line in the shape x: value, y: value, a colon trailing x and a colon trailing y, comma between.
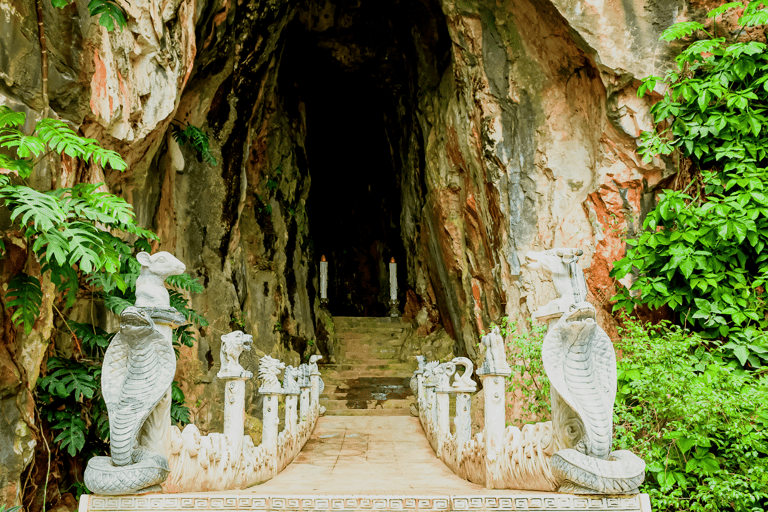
x: 505, y: 127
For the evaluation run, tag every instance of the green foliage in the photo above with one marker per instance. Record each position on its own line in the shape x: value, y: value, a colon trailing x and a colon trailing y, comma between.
x: 179, y: 412
x: 528, y: 376
x: 698, y: 420
x: 111, y: 15
x: 701, y: 251
x: 197, y: 139
x: 25, y: 294
x: 66, y: 395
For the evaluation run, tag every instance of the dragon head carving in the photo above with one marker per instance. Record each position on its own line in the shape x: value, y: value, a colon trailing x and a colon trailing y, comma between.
x: 269, y: 369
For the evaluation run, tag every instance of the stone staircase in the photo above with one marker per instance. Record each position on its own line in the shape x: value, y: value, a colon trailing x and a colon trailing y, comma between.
x: 369, y: 379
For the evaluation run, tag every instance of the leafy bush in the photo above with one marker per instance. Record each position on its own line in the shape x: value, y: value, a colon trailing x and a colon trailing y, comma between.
x: 698, y: 420
x: 528, y: 375
x: 702, y: 249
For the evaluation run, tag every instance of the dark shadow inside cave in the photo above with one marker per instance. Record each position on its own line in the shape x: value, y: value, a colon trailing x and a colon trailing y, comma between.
x: 352, y: 68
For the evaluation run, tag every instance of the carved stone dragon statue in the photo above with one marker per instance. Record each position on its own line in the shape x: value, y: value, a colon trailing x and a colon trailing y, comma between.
x: 138, y: 369
x: 136, y: 378
x: 580, y: 362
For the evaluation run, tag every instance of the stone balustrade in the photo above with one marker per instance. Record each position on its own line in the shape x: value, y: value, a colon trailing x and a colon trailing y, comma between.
x: 229, y: 461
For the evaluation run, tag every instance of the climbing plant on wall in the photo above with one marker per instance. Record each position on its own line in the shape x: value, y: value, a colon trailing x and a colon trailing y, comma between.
x: 73, y: 234
x: 702, y: 249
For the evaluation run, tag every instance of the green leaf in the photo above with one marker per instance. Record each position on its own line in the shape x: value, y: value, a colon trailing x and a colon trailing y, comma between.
x: 680, y: 30
x: 110, y: 12
x: 26, y: 295
x: 72, y: 436
x: 741, y: 354
x: 10, y: 117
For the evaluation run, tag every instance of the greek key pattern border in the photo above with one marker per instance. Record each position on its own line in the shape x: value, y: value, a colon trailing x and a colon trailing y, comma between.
x: 255, y: 503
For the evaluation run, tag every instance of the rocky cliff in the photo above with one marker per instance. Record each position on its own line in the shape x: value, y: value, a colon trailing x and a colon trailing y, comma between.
x: 452, y: 135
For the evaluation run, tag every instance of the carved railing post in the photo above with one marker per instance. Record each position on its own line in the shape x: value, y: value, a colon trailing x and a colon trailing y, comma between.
x: 291, y: 390
x: 494, y: 372
x: 234, y: 377
x: 463, y: 386
x: 304, y: 386
x: 430, y: 400
x: 419, y: 373
x: 315, y: 382
x: 442, y: 400
x: 271, y: 390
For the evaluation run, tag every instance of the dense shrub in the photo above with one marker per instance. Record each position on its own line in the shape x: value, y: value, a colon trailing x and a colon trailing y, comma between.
x: 699, y: 421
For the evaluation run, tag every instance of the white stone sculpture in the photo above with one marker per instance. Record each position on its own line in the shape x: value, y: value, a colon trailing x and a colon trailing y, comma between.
x: 567, y: 277
x: 232, y: 345
x: 269, y: 369
x: 138, y: 370
x: 290, y: 383
x: 219, y: 462
x: 580, y: 362
x: 495, y: 362
x: 462, y: 381
x: 137, y: 373
x: 155, y: 269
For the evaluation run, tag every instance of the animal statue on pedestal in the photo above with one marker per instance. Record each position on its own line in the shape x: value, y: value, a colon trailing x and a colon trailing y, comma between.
x: 580, y: 362
x: 137, y: 372
x: 269, y: 369
x: 232, y: 345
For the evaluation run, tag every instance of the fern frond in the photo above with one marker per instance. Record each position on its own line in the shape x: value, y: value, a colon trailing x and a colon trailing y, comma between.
x: 91, y: 336
x: 66, y: 280
x: 680, y: 30
x: 717, y: 11
x: 41, y: 210
x: 116, y: 304
x: 25, y: 294
x: 185, y: 282
x: 10, y: 117
x: 21, y: 167
x: 63, y: 139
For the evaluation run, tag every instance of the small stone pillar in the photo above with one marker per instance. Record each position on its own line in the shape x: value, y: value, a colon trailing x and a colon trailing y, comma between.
x: 270, y: 419
x: 494, y: 374
x: 419, y: 373
x: 291, y: 390
x: 442, y: 402
x: 305, y: 387
x: 234, y: 377
x: 429, y: 396
x: 271, y: 390
x: 315, y: 382
x: 462, y: 387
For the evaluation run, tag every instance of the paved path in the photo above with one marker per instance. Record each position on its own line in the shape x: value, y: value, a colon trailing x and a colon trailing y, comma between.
x: 368, y: 455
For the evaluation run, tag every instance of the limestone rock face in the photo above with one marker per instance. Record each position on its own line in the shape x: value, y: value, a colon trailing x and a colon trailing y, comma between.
x: 452, y: 135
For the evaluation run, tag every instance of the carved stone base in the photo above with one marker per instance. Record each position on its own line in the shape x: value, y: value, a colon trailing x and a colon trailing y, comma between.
x: 493, y: 501
x: 393, y: 310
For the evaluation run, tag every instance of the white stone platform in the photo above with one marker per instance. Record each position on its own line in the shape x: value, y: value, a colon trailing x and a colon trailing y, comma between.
x: 354, y: 463
x: 349, y: 503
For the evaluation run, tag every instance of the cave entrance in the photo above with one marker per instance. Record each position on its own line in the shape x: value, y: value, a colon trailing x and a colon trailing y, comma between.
x: 350, y: 74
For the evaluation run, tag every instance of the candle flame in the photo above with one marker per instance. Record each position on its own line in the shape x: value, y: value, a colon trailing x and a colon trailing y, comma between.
x: 392, y: 260
x: 322, y: 258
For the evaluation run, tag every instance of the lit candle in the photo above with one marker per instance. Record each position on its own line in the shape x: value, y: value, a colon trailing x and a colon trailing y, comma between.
x: 392, y: 280
x: 323, y: 277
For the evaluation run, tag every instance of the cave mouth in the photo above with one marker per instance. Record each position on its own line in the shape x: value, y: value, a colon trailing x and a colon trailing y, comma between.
x: 351, y: 66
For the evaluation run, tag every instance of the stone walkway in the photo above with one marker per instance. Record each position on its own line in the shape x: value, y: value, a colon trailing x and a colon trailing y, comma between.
x: 368, y: 455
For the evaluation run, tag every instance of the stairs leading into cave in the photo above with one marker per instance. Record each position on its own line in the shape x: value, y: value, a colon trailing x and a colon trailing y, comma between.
x: 370, y: 380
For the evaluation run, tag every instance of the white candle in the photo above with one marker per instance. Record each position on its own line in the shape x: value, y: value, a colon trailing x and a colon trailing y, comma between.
x: 323, y: 278
x: 392, y: 279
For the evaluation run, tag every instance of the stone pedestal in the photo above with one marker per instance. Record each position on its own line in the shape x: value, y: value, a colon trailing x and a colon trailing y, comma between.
x: 442, y: 402
x: 234, y: 411
x: 270, y: 421
x: 494, y: 387
x: 463, y: 420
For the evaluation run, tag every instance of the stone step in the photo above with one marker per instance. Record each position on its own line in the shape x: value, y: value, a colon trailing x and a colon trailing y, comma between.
x: 367, y: 321
x: 333, y: 405
x: 368, y: 412
x: 369, y: 364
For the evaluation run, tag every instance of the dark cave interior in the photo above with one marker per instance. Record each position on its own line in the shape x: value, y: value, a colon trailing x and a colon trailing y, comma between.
x: 353, y: 69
